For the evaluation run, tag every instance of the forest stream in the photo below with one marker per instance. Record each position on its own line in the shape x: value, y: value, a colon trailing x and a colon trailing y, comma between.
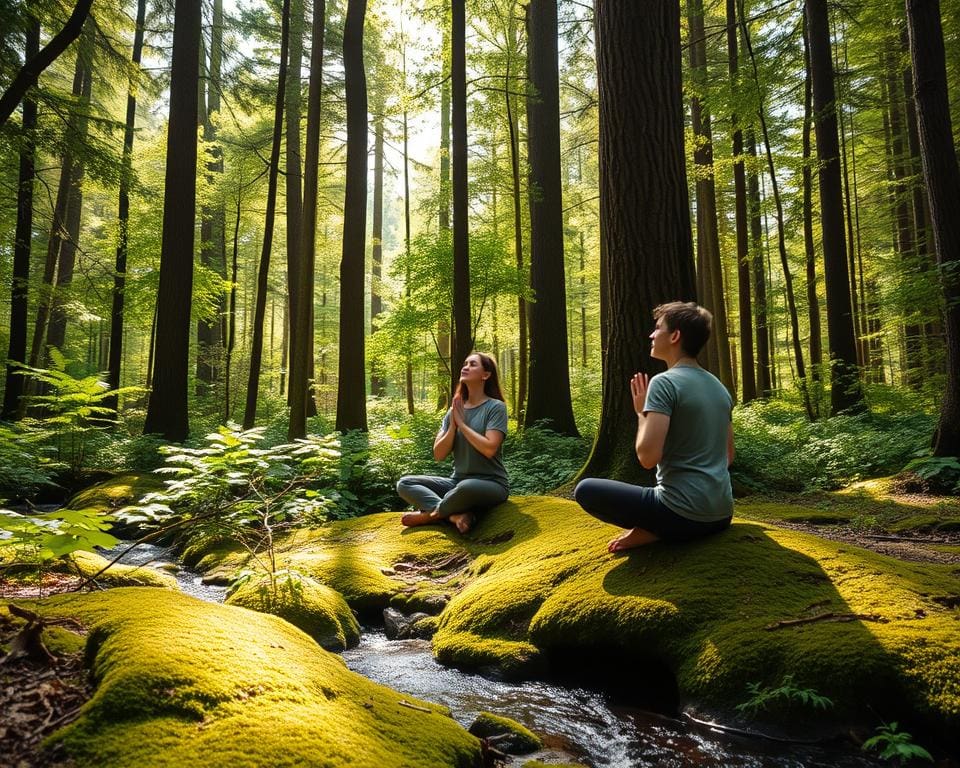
x: 575, y: 724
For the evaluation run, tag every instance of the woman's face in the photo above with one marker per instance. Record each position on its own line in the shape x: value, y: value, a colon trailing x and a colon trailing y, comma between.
x: 472, y: 370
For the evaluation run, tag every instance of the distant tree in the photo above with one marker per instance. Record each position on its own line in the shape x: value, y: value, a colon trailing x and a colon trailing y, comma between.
x: 647, y: 259
x: 167, y: 408
x: 942, y: 175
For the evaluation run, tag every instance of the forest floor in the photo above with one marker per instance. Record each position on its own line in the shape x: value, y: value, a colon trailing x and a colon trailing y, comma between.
x: 37, y: 697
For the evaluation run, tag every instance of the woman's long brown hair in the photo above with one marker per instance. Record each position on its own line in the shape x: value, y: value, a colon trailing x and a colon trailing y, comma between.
x: 491, y: 387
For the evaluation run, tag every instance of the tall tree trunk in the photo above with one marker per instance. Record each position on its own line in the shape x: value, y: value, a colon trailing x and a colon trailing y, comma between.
x: 809, y: 247
x: 942, y: 175
x: 710, y: 270
x: 764, y: 379
x: 351, y: 384
x: 444, y: 372
x: 408, y: 364
x: 644, y: 260
x: 213, y: 224
x: 377, y: 384
x: 549, y: 399
x: 123, y: 215
x: 845, y: 391
x: 167, y: 408
x: 231, y: 313
x: 462, y: 315
x: 29, y: 73
x: 23, y: 237
x: 256, y: 346
x: 748, y: 376
x: 293, y: 176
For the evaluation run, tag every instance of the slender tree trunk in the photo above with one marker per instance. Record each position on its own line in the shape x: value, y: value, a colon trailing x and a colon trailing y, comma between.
x: 123, y: 215
x: 809, y: 247
x: 845, y: 392
x: 351, y: 385
x: 293, y: 177
x: 549, y: 399
x: 167, y: 408
x: 764, y: 383
x: 710, y: 272
x: 256, y: 347
x: 942, y: 175
x: 644, y: 260
x: 748, y: 375
x: 231, y: 317
x: 377, y: 384
x: 444, y: 371
x: 408, y: 365
x: 23, y: 238
x: 513, y: 128
x: 462, y: 315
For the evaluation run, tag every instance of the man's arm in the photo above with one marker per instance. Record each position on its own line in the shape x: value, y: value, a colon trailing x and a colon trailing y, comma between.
x: 731, y: 451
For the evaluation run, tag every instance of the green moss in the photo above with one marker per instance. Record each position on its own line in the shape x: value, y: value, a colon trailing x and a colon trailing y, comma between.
x: 87, y: 564
x: 61, y: 641
x: 116, y: 492
x: 519, y: 739
x: 184, y: 682
x: 318, y: 610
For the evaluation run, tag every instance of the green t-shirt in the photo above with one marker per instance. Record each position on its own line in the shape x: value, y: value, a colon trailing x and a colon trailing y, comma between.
x: 467, y: 460
x: 692, y: 477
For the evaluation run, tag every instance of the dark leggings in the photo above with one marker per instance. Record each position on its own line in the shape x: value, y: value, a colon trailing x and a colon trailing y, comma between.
x: 634, y: 506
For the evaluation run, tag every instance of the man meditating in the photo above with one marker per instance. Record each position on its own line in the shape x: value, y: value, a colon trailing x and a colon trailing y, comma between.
x: 684, y: 429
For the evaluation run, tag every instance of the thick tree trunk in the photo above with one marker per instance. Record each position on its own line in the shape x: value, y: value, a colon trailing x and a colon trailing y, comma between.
x: 351, y: 385
x: 29, y: 73
x: 462, y: 315
x: 123, y: 213
x: 644, y: 260
x: 809, y: 247
x: 942, y: 175
x: 23, y: 238
x: 549, y: 399
x: 845, y: 391
x: 260, y: 311
x: 167, y: 408
x: 748, y: 376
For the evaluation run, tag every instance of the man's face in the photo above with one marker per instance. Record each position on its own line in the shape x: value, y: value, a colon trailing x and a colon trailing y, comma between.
x: 660, y: 340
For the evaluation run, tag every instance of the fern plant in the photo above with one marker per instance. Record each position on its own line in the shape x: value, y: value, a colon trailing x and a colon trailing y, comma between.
x: 895, y: 744
x: 787, y: 693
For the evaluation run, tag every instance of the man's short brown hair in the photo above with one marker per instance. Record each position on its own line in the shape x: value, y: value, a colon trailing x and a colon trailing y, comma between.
x: 693, y: 321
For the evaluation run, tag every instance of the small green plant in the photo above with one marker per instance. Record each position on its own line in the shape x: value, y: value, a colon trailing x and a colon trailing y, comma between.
x: 26, y: 465
x: 895, y: 744
x: 936, y: 474
x: 788, y: 692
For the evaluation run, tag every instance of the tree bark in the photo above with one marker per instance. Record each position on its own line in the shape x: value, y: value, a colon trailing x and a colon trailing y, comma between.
x: 809, y: 247
x: 351, y: 384
x: 378, y: 386
x: 260, y: 311
x: 22, y: 240
x: 167, y: 408
x: 764, y: 379
x: 644, y: 260
x: 294, y: 174
x: 123, y: 213
x: 845, y: 391
x: 942, y: 175
x: 462, y: 315
x: 549, y: 400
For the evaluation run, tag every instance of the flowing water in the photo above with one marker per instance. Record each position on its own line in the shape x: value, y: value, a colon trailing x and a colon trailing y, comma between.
x: 575, y: 724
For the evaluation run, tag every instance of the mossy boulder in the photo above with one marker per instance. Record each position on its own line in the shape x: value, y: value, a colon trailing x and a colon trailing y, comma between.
x: 535, y: 591
x: 318, y: 610
x: 505, y: 734
x: 89, y: 564
x: 119, y: 491
x: 184, y: 682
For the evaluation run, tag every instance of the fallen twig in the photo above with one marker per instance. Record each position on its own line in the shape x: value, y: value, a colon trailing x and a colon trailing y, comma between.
x: 408, y: 705
x: 829, y: 616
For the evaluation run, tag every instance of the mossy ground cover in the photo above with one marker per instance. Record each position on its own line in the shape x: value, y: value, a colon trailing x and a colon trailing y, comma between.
x: 183, y: 682
x: 756, y: 603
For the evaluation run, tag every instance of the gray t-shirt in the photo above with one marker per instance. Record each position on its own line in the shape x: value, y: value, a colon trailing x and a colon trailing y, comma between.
x: 692, y: 477
x: 467, y: 460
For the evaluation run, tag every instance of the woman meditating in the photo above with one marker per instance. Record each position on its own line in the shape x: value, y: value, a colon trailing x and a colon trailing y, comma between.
x: 473, y: 429
x: 684, y: 430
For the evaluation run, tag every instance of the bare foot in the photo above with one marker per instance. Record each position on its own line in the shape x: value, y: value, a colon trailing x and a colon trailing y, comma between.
x: 635, y: 537
x: 419, y: 518
x: 463, y: 521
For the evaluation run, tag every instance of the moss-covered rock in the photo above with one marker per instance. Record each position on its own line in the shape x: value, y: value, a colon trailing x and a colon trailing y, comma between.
x: 89, y: 564
x: 183, y: 682
x: 507, y: 735
x: 118, y: 491
x: 318, y: 610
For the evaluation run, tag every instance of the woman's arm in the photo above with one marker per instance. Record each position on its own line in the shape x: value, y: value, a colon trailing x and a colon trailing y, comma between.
x: 487, y: 444
x: 445, y: 437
